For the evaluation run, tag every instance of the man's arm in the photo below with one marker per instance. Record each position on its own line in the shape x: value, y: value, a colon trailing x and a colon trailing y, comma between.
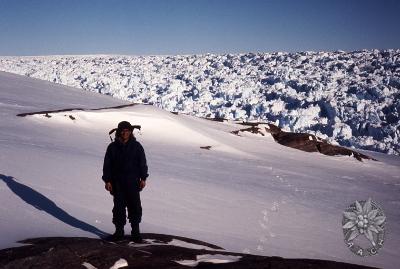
x: 107, y: 169
x: 143, y: 164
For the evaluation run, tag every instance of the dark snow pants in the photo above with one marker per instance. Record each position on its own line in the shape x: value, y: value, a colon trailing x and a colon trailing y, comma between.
x: 126, y: 195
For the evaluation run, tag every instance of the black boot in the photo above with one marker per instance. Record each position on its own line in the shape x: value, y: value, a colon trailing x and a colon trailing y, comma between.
x: 135, y: 233
x: 117, y: 235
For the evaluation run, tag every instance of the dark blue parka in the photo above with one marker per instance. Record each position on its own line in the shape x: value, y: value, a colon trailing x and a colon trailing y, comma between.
x: 125, y: 164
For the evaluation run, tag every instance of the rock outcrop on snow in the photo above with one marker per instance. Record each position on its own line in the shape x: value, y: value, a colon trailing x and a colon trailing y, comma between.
x: 302, y: 141
x: 348, y: 97
x: 158, y: 251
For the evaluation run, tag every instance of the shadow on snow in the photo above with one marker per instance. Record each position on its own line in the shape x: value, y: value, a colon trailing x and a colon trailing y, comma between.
x: 41, y: 202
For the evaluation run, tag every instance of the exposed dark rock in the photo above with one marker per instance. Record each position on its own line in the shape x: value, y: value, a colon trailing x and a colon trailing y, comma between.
x: 252, y: 129
x: 71, y: 109
x: 301, y: 141
x: 73, y: 252
x: 311, y: 143
x: 205, y: 147
x: 218, y: 119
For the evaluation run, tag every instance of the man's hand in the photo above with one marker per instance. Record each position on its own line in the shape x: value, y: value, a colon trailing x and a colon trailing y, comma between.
x: 108, y: 186
x: 142, y: 184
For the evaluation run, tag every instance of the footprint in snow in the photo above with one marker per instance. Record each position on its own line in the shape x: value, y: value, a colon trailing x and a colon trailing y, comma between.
x: 275, y: 207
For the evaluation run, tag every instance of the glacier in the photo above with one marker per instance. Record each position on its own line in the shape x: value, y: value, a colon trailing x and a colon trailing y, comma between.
x: 349, y: 98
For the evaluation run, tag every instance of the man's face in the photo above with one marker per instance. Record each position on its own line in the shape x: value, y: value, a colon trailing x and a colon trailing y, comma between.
x: 125, y: 134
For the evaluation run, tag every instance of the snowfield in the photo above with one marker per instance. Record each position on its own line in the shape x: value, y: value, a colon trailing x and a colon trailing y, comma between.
x: 247, y: 193
x: 348, y: 97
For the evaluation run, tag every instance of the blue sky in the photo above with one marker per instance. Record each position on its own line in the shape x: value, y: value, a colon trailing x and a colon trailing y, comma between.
x: 43, y: 27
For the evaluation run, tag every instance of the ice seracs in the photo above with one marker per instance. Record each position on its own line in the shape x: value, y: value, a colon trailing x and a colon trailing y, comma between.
x: 350, y: 97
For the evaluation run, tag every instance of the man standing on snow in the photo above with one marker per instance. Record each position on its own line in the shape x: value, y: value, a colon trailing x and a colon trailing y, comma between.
x: 125, y: 173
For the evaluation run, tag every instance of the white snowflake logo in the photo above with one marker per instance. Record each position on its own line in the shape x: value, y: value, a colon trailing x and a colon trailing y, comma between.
x: 364, y: 218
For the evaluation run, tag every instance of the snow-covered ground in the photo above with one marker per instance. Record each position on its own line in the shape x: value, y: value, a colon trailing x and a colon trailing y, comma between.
x: 246, y: 194
x: 348, y: 97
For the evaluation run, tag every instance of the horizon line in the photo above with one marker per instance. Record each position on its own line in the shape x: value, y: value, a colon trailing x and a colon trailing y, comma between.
x: 202, y: 54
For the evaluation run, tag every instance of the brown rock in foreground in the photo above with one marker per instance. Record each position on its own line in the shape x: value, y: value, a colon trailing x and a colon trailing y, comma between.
x: 157, y: 252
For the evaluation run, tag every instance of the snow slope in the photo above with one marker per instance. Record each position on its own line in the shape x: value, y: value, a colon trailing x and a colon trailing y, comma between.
x: 246, y: 194
x: 348, y: 97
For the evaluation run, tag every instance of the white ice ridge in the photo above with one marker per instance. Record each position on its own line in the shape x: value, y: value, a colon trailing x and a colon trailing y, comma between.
x: 88, y: 265
x: 217, y: 258
x: 183, y: 244
x: 119, y: 264
x: 348, y: 97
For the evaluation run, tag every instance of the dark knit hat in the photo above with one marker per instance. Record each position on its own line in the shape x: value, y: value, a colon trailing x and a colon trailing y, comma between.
x: 124, y: 125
